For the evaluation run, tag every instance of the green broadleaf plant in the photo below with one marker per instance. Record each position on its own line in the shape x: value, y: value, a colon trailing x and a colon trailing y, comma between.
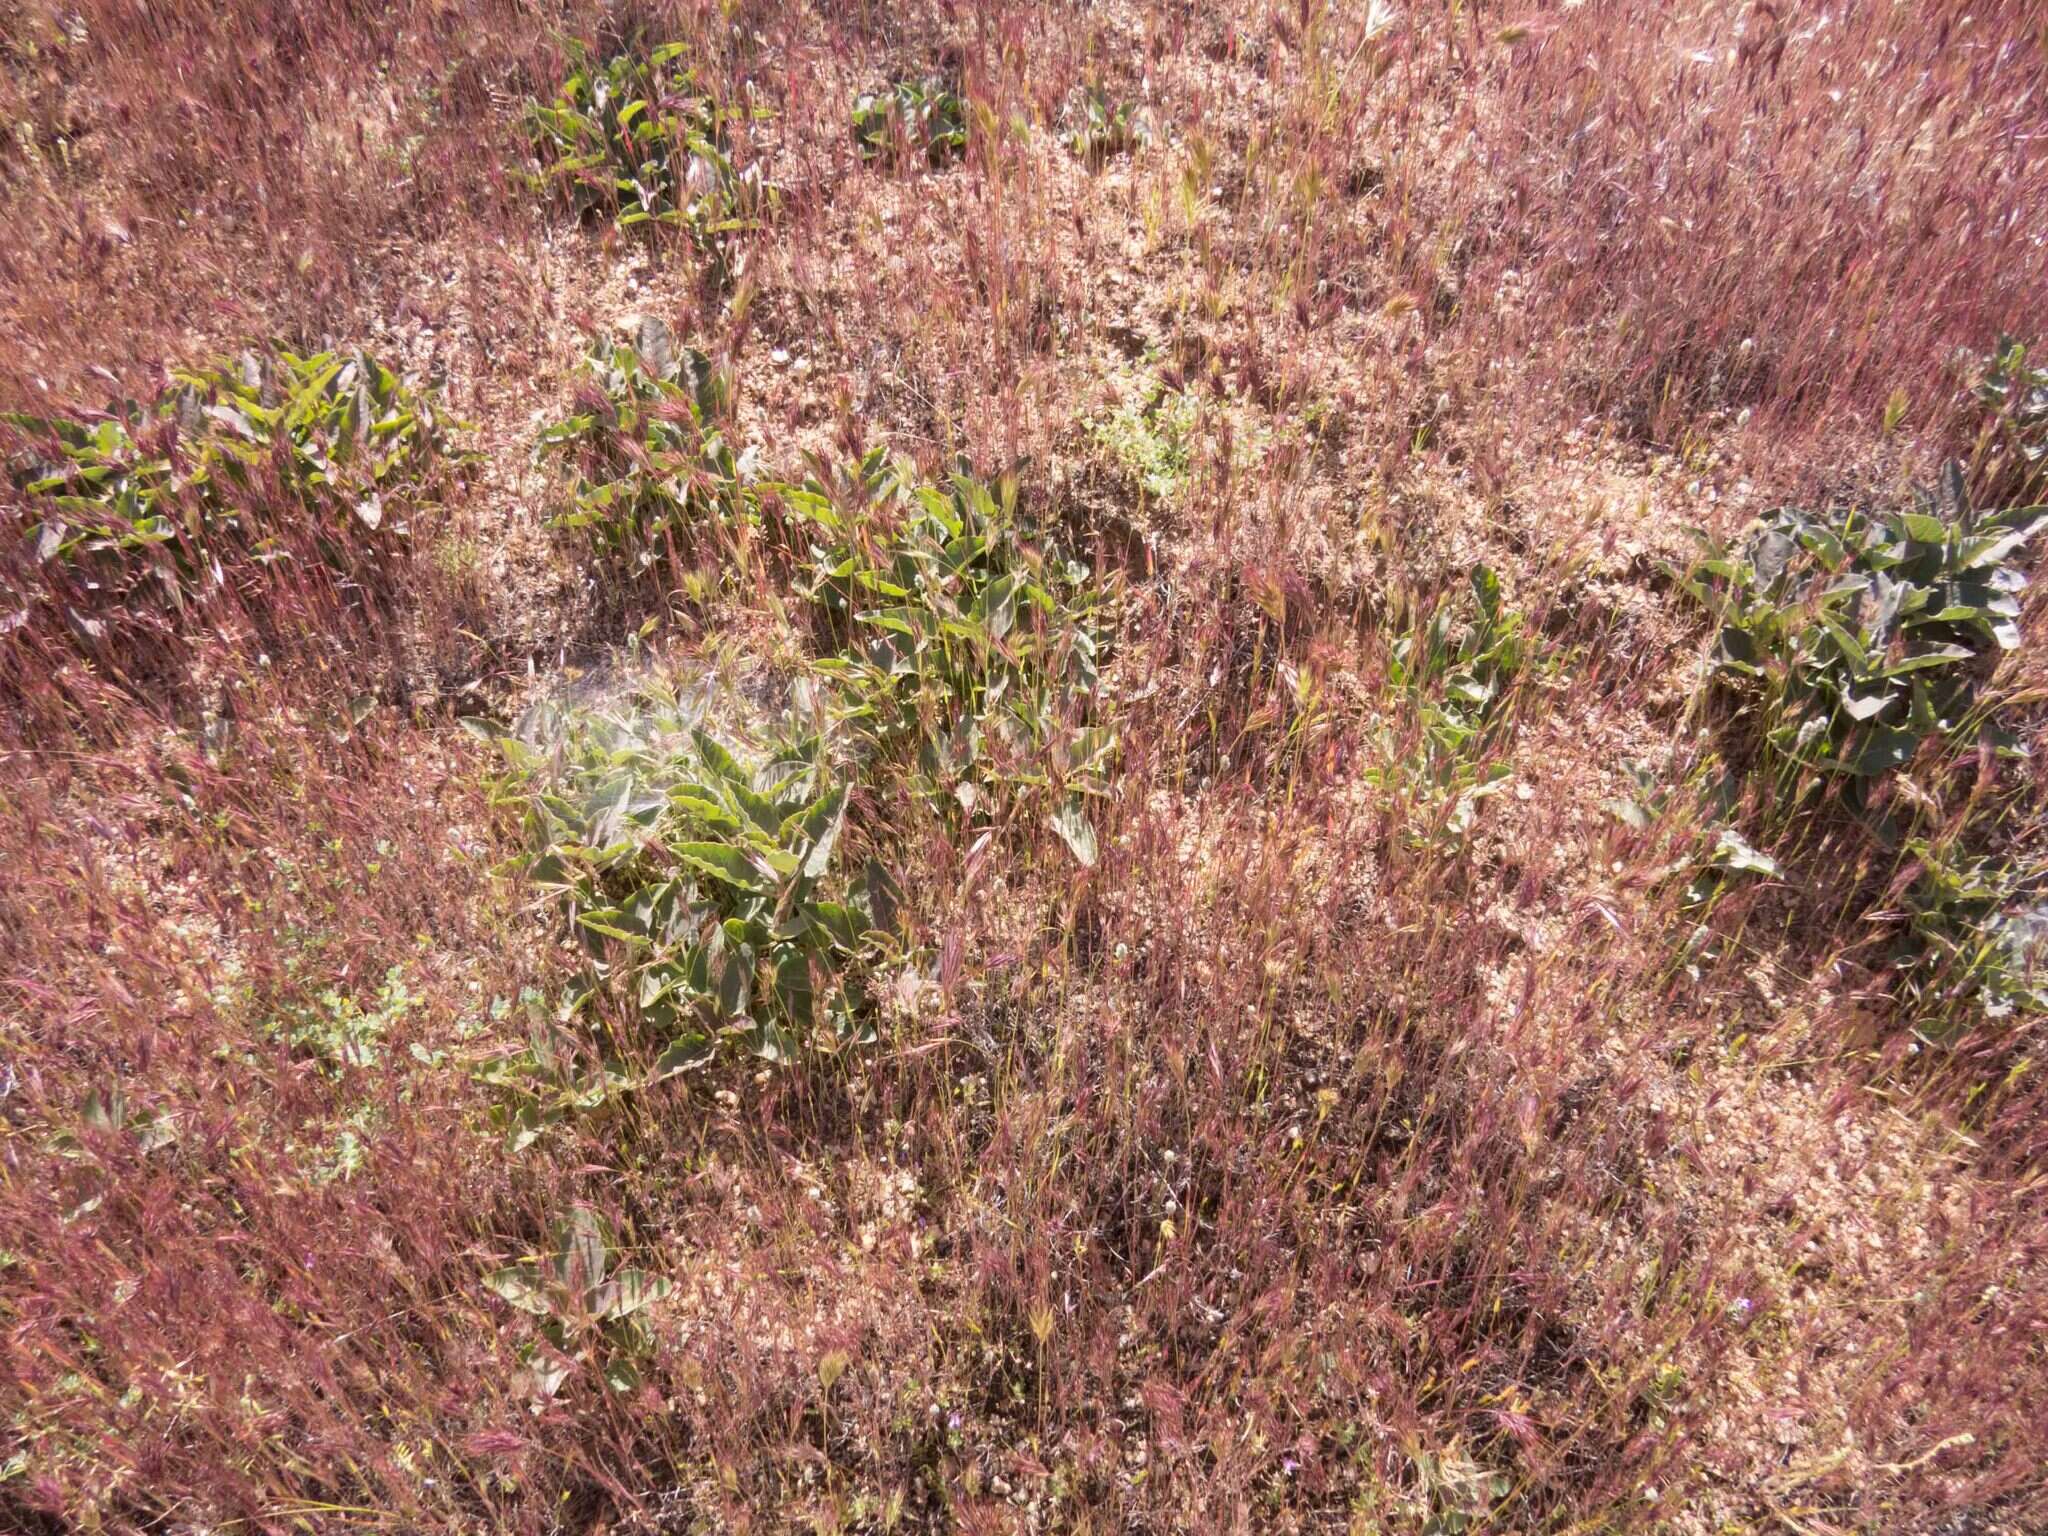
x: 636, y: 139
x: 155, y: 501
x: 926, y: 116
x: 1854, y: 637
x: 703, y: 879
x: 651, y: 465
x: 1855, y: 644
x: 590, y: 1310
x: 1460, y: 680
x: 968, y: 647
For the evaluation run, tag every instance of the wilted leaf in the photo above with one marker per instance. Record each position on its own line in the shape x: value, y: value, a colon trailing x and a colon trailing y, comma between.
x: 831, y: 1366
x: 627, y: 1292
x: 519, y: 1284
x: 1071, y: 822
x: 580, y: 1265
x: 1732, y: 851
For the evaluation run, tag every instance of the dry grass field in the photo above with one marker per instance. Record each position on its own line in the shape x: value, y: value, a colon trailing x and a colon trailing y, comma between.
x: 1023, y: 767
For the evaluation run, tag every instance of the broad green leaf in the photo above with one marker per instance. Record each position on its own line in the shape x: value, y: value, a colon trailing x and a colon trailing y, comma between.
x: 682, y: 1055
x: 820, y: 832
x: 607, y: 922
x: 721, y: 762
x: 1879, y: 751
x: 1939, y: 656
x: 726, y: 863
x: 794, y: 988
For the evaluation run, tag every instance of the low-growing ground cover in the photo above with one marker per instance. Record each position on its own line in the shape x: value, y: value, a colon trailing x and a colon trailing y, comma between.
x: 1021, y: 769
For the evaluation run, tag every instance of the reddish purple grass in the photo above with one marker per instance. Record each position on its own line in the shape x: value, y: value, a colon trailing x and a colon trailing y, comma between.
x: 1296, y: 1167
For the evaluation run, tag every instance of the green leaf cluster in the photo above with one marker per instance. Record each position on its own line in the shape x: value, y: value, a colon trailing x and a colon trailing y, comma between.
x: 1854, y: 637
x: 1854, y: 643
x: 1152, y: 439
x: 647, y: 449
x: 1969, y: 951
x: 589, y: 1307
x: 635, y: 138
x: 2010, y: 461
x: 1458, y: 674
x: 549, y: 1080
x: 162, y: 495
x: 968, y: 646
x: 1105, y: 128
x: 703, y: 879
x: 923, y: 115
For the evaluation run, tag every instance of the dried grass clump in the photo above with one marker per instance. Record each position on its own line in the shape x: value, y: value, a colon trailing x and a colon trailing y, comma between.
x: 1303, y: 1088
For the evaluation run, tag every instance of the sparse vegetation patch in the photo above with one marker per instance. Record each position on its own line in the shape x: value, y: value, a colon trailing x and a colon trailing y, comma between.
x: 1048, y: 826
